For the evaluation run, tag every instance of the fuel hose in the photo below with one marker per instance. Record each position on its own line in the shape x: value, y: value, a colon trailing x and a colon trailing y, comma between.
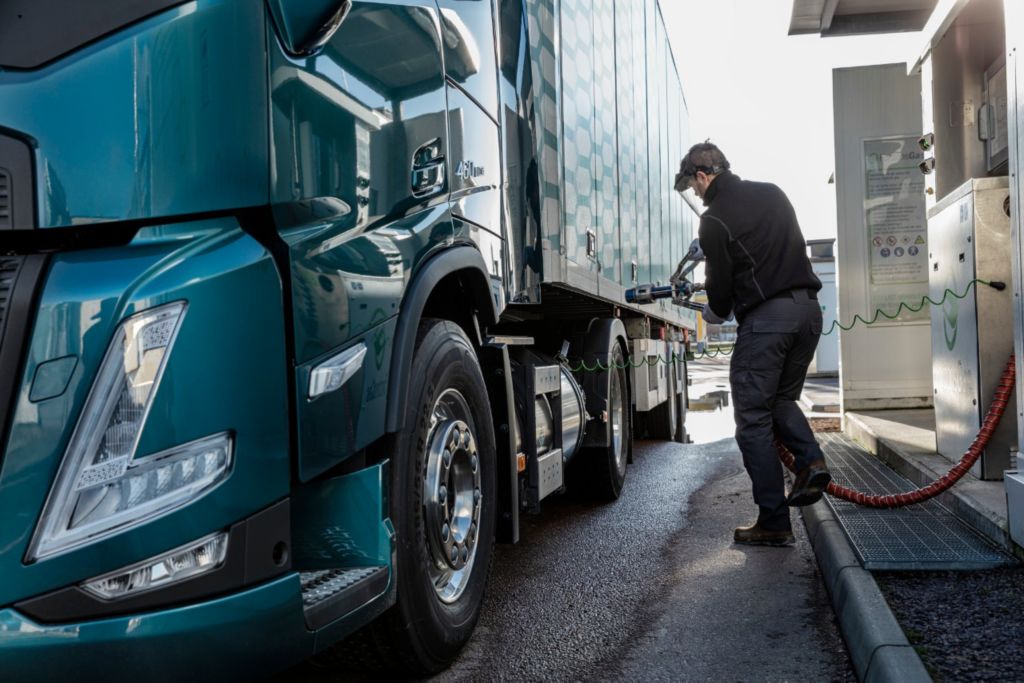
x: 997, y: 407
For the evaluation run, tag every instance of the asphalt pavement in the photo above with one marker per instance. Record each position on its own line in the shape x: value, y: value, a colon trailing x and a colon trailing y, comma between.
x: 652, y: 587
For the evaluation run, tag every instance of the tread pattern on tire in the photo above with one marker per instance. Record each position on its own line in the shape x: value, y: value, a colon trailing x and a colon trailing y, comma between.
x: 592, y: 469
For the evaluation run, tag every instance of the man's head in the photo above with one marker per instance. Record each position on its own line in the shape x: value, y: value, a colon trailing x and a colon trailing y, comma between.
x: 699, y: 167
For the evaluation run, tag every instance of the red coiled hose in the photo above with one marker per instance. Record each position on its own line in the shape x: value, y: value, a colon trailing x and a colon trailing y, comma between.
x: 988, y: 426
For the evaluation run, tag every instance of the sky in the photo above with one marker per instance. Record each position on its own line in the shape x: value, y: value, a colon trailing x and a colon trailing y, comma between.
x: 765, y: 98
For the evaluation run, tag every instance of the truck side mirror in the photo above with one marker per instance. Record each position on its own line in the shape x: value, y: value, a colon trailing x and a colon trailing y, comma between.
x: 305, y: 26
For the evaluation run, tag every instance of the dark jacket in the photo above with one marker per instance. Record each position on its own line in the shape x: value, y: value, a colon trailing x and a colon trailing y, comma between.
x: 753, y: 245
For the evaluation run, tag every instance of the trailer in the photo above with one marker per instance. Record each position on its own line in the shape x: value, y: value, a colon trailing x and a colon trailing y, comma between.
x: 305, y: 304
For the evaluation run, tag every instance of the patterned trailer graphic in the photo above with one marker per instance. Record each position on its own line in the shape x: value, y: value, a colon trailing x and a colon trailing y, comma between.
x: 612, y: 116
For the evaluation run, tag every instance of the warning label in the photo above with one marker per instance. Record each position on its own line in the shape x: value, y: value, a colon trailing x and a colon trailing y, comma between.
x: 894, y: 211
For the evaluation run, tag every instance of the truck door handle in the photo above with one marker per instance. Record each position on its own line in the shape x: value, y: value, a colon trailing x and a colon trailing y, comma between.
x: 428, y: 169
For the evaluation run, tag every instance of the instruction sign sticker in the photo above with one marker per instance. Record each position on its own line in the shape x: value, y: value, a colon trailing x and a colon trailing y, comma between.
x: 894, y: 211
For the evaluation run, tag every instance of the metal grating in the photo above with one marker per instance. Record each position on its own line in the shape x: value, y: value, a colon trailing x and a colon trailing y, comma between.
x: 320, y: 585
x: 926, y: 536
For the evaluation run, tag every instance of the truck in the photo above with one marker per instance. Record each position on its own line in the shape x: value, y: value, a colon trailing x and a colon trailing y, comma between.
x: 305, y: 303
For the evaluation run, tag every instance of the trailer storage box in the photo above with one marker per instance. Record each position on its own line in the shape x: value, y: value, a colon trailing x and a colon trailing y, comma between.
x: 608, y: 215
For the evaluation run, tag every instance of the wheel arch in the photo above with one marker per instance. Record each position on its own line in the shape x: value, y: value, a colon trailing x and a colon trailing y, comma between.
x: 428, y: 293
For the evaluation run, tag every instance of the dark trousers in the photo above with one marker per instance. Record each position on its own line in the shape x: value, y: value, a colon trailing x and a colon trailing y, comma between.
x: 775, y: 345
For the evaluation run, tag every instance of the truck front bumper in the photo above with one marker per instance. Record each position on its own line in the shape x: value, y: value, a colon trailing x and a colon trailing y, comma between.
x: 242, y: 636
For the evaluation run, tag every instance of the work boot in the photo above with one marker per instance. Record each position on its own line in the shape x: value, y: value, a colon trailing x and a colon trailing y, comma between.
x: 809, y: 484
x: 757, y: 535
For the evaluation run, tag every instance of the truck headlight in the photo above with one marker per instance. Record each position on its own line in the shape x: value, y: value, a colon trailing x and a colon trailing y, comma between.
x: 186, y: 562
x: 101, y: 487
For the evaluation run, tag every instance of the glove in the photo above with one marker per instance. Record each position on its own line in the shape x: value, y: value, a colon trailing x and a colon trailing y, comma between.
x: 712, y: 318
x: 695, y: 253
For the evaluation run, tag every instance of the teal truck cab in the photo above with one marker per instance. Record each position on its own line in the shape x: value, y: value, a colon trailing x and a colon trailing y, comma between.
x: 303, y: 303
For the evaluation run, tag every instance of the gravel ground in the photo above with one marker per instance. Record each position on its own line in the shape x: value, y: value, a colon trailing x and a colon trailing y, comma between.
x: 967, y: 626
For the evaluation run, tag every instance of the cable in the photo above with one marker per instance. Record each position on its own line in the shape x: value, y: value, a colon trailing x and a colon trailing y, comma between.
x: 714, y: 353
x: 1000, y: 286
x: 601, y: 367
x: 728, y: 351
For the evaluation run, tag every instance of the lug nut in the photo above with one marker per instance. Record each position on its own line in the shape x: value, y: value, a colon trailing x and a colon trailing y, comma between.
x: 455, y: 554
x: 465, y: 554
x: 446, y: 533
x: 447, y: 458
x: 442, y: 494
x: 477, y: 496
x: 474, y: 462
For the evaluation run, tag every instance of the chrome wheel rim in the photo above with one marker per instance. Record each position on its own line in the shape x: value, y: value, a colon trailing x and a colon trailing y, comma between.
x: 452, y: 496
x: 618, y: 420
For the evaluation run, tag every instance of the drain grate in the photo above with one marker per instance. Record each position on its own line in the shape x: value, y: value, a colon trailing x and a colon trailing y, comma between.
x: 923, y: 536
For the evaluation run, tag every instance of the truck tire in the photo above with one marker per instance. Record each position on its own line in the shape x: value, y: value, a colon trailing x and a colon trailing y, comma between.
x: 680, y: 435
x: 443, y: 505
x: 602, y: 470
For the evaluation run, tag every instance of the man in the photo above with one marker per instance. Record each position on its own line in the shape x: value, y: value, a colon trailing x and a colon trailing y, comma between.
x: 757, y: 270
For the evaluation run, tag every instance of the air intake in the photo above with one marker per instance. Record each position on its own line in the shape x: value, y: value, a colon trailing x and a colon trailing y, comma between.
x: 6, y: 214
x: 16, y: 204
x: 9, y: 266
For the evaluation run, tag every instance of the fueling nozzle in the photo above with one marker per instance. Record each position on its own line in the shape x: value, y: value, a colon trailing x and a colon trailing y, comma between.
x: 693, y: 256
x: 679, y: 288
x: 649, y: 293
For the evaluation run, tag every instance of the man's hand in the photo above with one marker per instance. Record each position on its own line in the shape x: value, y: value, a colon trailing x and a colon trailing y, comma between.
x: 712, y: 318
x: 695, y: 253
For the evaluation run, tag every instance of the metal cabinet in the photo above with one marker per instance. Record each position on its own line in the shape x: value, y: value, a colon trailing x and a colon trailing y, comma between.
x: 972, y: 337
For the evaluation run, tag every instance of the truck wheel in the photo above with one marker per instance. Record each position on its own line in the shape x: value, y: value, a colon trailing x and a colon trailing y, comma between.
x: 443, y: 502
x: 605, y: 468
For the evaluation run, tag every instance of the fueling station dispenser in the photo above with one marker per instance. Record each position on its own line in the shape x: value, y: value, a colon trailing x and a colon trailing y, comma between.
x: 964, y: 95
x: 969, y: 239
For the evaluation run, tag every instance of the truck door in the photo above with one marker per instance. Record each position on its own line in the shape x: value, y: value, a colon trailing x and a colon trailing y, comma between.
x: 477, y: 171
x: 360, y: 193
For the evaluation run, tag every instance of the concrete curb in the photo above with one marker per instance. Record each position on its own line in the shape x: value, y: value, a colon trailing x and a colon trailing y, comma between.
x: 878, y: 647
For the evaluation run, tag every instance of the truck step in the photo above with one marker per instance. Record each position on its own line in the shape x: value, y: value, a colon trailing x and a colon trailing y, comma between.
x: 328, y: 594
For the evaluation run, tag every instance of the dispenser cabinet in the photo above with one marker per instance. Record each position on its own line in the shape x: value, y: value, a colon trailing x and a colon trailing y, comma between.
x: 972, y: 338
